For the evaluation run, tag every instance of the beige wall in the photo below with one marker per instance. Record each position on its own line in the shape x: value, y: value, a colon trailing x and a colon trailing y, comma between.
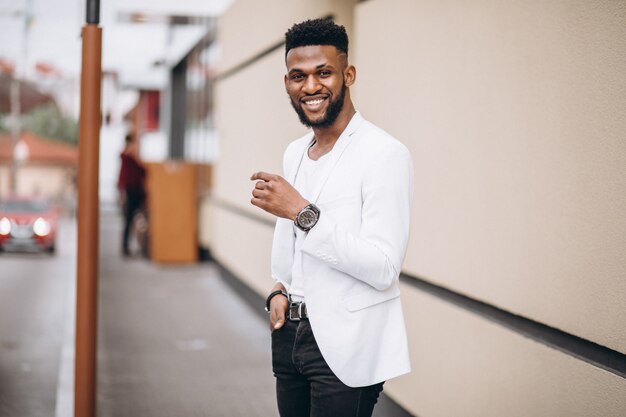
x: 41, y: 180
x: 5, y: 173
x: 514, y: 115
x: 466, y: 366
x: 513, y: 112
x: 250, y: 26
x: 244, y: 247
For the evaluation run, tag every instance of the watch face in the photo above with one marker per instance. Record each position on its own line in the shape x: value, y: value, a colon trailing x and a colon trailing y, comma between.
x: 307, y: 218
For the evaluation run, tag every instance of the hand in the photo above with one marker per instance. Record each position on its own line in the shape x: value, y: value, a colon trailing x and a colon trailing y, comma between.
x: 121, y: 198
x: 278, y: 308
x: 275, y: 195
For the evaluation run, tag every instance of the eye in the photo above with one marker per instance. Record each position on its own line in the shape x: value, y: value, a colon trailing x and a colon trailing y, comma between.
x: 324, y: 73
x: 297, y: 76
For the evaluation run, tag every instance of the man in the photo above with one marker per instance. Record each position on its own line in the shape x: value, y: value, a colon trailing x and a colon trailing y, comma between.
x: 341, y: 234
x: 131, y: 187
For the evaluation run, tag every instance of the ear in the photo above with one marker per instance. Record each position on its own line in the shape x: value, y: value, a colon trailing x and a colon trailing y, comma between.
x: 286, y: 79
x: 349, y: 75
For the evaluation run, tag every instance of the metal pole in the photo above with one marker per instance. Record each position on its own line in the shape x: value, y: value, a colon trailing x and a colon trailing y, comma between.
x: 88, y: 217
x: 93, y: 12
x: 16, y: 130
x: 16, y: 109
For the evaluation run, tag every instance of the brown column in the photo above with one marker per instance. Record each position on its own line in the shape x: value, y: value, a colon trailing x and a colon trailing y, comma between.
x: 88, y: 221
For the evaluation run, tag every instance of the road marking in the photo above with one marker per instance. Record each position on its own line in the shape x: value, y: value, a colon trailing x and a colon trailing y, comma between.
x: 65, y: 381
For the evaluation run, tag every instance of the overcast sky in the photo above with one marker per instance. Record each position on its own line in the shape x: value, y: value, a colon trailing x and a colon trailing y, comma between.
x: 54, y: 36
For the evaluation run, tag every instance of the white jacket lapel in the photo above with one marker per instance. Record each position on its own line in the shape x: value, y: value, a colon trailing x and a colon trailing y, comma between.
x: 284, y: 235
x: 295, y: 166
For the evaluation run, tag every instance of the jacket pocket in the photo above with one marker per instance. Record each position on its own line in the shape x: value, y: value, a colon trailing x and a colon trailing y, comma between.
x: 372, y: 297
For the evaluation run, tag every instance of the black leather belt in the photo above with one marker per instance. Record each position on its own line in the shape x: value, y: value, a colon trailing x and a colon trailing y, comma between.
x: 297, y: 311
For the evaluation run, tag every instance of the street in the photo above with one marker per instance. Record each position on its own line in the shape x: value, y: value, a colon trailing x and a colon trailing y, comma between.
x: 35, y: 307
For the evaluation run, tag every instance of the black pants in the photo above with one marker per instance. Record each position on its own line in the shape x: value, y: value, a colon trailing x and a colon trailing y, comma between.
x: 134, y: 200
x: 305, y: 385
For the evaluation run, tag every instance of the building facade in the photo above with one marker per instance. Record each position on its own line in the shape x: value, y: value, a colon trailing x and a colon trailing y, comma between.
x: 47, y: 168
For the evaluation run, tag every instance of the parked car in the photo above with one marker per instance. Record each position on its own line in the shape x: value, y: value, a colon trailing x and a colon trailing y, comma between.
x: 28, y: 224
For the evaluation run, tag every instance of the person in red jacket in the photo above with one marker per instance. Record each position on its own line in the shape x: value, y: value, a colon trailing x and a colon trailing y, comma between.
x: 131, y: 185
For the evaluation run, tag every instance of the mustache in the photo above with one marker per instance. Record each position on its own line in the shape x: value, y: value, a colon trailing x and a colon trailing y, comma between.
x: 332, y: 112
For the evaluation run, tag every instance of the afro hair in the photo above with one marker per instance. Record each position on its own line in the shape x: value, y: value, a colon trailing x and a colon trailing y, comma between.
x: 317, y: 32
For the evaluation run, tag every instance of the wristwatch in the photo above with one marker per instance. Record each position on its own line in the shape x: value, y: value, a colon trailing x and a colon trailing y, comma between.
x: 307, y: 218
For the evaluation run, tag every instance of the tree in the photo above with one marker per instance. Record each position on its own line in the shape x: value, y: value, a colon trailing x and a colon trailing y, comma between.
x: 47, y: 121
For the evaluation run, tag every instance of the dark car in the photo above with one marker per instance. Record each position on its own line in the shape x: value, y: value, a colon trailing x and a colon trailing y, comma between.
x: 27, y: 224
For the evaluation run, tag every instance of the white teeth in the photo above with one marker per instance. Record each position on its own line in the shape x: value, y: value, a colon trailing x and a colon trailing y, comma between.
x: 314, y: 102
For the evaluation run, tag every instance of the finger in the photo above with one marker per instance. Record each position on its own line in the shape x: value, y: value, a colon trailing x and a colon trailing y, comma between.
x: 277, y: 318
x: 262, y: 176
x: 280, y: 321
x: 260, y: 185
x: 279, y: 315
x: 258, y: 193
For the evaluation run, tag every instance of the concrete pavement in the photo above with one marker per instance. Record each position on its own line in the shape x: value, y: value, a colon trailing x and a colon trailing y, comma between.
x: 177, y: 341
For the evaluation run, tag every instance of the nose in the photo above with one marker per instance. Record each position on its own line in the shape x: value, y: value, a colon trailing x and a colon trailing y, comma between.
x: 311, y: 85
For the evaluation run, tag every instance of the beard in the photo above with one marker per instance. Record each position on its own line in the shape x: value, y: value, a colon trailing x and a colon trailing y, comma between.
x: 334, y: 108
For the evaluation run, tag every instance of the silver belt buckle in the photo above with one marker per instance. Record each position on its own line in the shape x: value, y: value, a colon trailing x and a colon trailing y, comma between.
x: 295, y: 311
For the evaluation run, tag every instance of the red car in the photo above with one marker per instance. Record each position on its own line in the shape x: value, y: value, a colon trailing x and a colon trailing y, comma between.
x: 28, y: 223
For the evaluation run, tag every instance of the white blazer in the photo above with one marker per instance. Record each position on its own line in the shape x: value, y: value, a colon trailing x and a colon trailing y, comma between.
x: 353, y: 256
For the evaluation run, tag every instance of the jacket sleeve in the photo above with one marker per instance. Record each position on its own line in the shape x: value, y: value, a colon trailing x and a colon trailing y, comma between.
x: 375, y: 255
x: 282, y: 244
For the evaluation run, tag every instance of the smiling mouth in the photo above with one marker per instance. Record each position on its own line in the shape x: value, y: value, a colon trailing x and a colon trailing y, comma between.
x: 313, y: 104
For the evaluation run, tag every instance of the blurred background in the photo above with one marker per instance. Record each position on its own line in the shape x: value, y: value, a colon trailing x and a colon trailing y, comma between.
x: 514, y: 284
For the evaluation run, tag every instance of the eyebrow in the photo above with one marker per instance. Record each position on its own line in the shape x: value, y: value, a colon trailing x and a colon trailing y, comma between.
x: 320, y: 66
